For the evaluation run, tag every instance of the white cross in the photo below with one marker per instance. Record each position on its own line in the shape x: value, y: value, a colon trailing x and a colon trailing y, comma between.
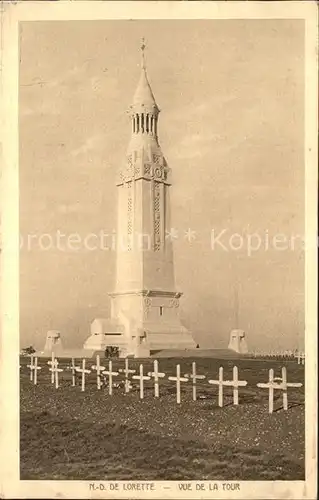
x: 194, y: 377
x: 73, y: 370
x: 99, y: 369
x: 220, y: 382
x: 156, y: 374
x: 235, y: 383
x: 110, y: 374
x: 51, y: 362
x: 141, y: 378
x: 271, y: 385
x: 55, y: 371
x: 83, y: 371
x: 283, y: 381
x: 31, y: 366
x: 36, y: 368
x: 178, y: 380
x: 127, y: 372
x: 285, y: 385
x: 301, y: 357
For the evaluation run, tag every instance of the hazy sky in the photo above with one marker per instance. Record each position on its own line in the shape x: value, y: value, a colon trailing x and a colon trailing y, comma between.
x: 231, y: 128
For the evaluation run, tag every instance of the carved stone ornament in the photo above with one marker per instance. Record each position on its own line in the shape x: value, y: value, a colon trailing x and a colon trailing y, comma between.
x: 174, y: 303
x: 158, y: 172
x: 157, y: 217
x: 147, y: 169
x: 156, y: 159
x: 147, y: 304
x: 137, y: 170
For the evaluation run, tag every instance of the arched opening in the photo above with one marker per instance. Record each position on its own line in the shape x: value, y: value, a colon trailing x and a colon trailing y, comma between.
x: 147, y: 123
x: 137, y: 124
x: 142, y: 122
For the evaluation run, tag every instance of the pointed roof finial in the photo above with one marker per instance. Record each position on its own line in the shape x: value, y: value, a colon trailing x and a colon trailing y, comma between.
x: 143, y: 47
x: 144, y: 95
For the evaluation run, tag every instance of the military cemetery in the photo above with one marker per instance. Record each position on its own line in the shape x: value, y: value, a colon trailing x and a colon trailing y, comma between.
x: 151, y: 393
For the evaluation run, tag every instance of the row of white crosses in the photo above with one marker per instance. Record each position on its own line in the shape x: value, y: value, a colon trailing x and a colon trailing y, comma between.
x: 301, y: 357
x: 55, y: 370
x: 127, y: 373
x: 235, y: 383
x: 34, y: 368
x: 278, y: 383
x: 156, y: 375
x: 281, y: 354
x: 99, y: 370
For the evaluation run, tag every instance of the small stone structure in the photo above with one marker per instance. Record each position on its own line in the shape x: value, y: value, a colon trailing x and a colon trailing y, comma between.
x: 53, y: 342
x: 237, y: 342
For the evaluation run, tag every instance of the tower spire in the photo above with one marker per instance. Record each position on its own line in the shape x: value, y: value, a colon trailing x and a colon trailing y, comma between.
x: 143, y: 47
x: 144, y: 100
x: 144, y: 110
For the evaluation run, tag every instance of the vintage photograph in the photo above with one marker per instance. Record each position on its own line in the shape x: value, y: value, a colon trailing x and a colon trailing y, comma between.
x: 162, y: 266
x: 162, y: 253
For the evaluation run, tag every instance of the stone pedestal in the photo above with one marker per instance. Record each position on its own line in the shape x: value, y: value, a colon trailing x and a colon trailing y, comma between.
x: 106, y: 332
x: 53, y: 342
x: 237, y: 342
x: 142, y: 322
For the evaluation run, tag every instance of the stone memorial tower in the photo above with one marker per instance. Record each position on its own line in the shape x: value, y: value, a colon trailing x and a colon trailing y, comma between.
x: 145, y: 303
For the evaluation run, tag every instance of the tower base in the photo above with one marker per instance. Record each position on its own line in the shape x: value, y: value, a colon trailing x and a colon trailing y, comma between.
x: 140, y: 340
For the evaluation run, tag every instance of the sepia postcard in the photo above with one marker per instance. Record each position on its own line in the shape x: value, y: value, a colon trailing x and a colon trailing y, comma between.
x: 159, y: 188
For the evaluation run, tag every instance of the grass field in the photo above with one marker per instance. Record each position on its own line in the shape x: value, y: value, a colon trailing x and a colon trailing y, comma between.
x: 69, y: 434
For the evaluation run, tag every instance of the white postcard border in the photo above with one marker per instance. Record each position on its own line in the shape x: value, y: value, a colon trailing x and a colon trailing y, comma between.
x: 11, y: 486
